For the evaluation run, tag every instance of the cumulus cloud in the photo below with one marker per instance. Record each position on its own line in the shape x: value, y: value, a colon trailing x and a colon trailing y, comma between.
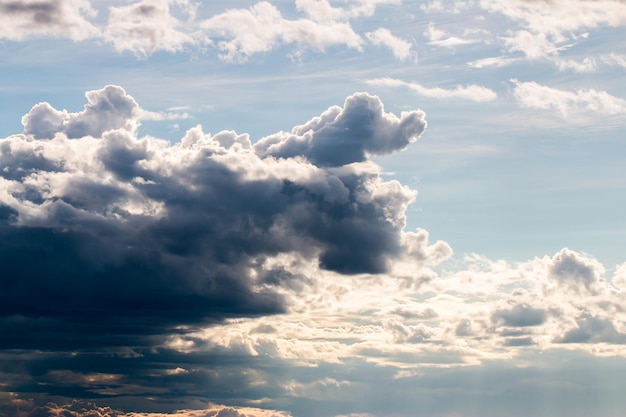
x: 591, y: 329
x: 62, y: 18
x: 533, y: 95
x: 241, y: 33
x: 147, y: 26
x: 371, y: 131
x: 520, y: 315
x: 470, y: 92
x: 143, y: 236
x: 107, y: 109
x: 401, y: 48
x: 577, y: 272
x: 322, y: 10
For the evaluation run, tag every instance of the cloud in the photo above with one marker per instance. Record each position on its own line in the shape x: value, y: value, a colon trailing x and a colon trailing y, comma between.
x: 135, y: 237
x: 521, y: 315
x: 543, y: 29
x: 107, y: 109
x: 244, y: 32
x: 533, y: 95
x: 147, y: 26
x: 441, y: 38
x: 322, y: 10
x: 491, y: 62
x: 88, y: 409
x: 401, y: 49
x: 577, y: 272
x: 593, y: 330
x: 61, y: 18
x: 371, y: 131
x: 470, y: 92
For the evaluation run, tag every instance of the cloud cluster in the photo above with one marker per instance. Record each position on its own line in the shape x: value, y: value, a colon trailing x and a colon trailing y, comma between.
x: 146, y: 26
x: 135, y: 236
x: 61, y: 18
x: 149, y: 25
x: 16, y: 407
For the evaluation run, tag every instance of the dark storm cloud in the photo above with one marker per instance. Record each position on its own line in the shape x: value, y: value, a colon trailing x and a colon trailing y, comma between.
x: 112, y: 240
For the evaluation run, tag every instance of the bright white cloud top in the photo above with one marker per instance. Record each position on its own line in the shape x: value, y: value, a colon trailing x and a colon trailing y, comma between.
x: 212, y: 209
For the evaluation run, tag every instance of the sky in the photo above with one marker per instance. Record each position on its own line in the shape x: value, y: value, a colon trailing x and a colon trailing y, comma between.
x: 312, y: 208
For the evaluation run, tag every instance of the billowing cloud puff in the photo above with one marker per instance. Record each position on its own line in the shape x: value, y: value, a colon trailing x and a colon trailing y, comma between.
x: 135, y: 236
x: 77, y: 408
x: 244, y: 32
x: 63, y: 18
x: 147, y: 26
x: 107, y: 109
x: 577, y: 272
x: 345, y: 135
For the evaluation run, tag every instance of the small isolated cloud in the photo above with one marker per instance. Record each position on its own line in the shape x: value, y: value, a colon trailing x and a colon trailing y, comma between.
x: 441, y: 38
x: 470, y: 92
x: 491, y: 62
x: 241, y: 33
x: 62, y: 18
x: 147, y: 26
x: 536, y: 96
x: 345, y: 135
x: 401, y: 48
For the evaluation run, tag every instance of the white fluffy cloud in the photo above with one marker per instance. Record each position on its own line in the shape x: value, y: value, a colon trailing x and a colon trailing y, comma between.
x: 533, y: 95
x: 322, y: 10
x: 400, y: 47
x: 244, y: 32
x: 148, y: 25
x: 62, y: 18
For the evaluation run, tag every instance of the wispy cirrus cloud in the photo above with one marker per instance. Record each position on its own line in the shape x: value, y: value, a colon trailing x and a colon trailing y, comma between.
x: 400, y: 47
x: 470, y: 92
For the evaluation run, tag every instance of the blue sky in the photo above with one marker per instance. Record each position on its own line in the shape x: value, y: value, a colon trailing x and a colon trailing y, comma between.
x: 312, y: 207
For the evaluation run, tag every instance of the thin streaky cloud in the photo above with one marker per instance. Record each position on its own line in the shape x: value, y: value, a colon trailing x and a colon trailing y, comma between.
x: 534, y: 95
x: 472, y: 92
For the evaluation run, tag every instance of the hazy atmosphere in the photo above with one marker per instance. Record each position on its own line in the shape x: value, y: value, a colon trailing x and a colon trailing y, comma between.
x: 312, y: 208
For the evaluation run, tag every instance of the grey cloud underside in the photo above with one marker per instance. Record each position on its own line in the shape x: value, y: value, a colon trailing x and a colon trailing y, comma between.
x: 105, y: 234
x: 349, y: 134
x: 42, y: 12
